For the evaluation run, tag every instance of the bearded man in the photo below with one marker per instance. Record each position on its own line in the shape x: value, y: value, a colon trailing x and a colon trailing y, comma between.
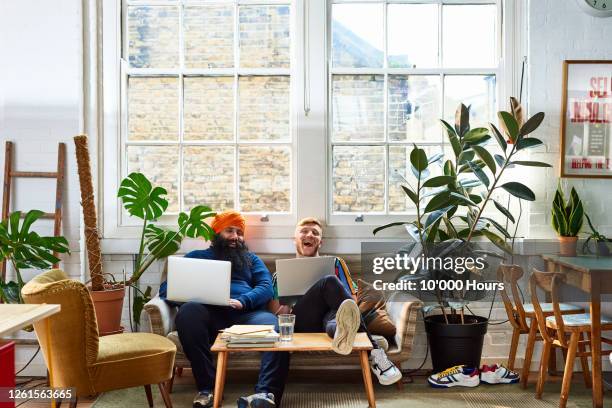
x: 251, y: 289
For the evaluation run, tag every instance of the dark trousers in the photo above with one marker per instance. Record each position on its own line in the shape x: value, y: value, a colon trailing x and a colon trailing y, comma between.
x: 198, y: 326
x: 316, y: 310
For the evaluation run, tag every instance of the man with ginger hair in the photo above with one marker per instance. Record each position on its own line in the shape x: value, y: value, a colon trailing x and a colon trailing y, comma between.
x: 329, y: 305
x: 251, y: 289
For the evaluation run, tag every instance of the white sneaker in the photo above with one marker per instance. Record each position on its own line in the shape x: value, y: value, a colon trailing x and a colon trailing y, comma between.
x: 461, y: 376
x: 386, y: 372
x: 348, y: 319
x: 498, y: 375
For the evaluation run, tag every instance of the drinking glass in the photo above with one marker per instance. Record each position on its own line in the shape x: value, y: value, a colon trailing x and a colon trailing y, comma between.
x: 286, y: 323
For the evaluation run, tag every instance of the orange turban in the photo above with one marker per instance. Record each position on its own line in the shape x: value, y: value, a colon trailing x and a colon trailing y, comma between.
x: 228, y: 219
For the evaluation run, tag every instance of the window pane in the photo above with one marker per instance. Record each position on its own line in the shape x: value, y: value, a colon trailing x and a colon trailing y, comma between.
x: 357, y: 35
x: 400, y: 171
x: 153, y: 108
x: 209, y: 108
x: 160, y: 165
x: 469, y: 35
x: 153, y: 36
x: 264, y: 108
x: 475, y: 90
x: 358, y: 178
x: 264, y: 36
x: 209, y: 36
x: 412, y: 35
x: 205, y: 183
x: 265, y: 178
x: 358, y: 107
x: 414, y: 108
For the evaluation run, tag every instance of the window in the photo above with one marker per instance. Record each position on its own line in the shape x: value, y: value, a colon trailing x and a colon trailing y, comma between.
x: 206, y: 102
x: 293, y: 108
x: 395, y: 68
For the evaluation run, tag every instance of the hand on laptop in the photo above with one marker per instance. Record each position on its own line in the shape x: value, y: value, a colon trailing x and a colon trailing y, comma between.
x: 235, y: 304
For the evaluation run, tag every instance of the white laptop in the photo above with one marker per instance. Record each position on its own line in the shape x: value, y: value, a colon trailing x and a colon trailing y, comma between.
x: 296, y: 276
x: 199, y: 280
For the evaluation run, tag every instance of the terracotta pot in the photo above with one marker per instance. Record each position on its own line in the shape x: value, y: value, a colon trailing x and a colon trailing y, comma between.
x: 108, y: 304
x: 567, y: 246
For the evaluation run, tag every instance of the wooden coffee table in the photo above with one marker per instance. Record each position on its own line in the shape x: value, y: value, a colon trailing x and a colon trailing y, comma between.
x: 300, y: 342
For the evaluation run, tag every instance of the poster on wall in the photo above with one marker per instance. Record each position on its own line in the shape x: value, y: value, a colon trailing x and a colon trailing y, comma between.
x: 586, y: 128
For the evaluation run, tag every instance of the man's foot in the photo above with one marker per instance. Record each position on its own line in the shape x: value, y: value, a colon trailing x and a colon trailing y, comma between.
x: 498, y: 375
x: 386, y: 372
x: 203, y: 399
x: 458, y: 376
x: 348, y: 319
x: 259, y: 400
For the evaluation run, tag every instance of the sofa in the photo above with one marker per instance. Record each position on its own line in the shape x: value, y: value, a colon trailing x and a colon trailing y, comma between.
x: 402, y: 308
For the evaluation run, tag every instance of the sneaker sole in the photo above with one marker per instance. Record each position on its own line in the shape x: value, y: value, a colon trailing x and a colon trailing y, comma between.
x: 384, y: 380
x: 258, y: 403
x: 504, y: 381
x: 435, y: 385
x: 347, y: 321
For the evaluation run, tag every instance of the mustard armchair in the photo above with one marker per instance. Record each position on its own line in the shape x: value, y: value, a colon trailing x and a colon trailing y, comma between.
x: 87, y: 362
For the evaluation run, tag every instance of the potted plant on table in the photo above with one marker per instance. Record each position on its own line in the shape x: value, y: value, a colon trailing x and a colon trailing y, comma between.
x: 450, y: 214
x: 600, y: 240
x: 567, y: 218
x: 24, y: 248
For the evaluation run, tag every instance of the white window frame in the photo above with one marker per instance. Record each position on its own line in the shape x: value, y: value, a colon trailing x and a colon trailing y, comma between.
x: 311, y: 177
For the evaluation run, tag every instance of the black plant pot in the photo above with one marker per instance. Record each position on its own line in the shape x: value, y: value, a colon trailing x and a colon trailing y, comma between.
x: 453, y: 343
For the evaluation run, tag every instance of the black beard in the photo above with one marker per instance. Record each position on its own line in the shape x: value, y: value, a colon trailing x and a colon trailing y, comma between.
x: 238, y: 255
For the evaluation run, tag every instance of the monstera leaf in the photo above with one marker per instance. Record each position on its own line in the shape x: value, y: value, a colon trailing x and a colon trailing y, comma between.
x: 140, y: 199
x: 10, y: 292
x: 26, y: 248
x: 161, y: 242
x: 193, y: 225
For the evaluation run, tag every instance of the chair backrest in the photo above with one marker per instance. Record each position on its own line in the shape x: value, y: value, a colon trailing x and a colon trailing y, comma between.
x: 510, y: 275
x: 72, y: 338
x: 549, y: 281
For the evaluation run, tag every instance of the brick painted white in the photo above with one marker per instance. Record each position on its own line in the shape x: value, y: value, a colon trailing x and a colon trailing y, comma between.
x: 41, y: 104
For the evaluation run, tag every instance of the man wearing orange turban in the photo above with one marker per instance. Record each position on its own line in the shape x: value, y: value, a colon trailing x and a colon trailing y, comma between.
x: 251, y: 289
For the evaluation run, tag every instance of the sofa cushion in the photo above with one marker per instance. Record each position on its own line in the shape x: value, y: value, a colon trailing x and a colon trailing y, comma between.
x: 372, y: 305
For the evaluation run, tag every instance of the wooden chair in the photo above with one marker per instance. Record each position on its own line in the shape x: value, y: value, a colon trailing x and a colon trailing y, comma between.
x: 519, y: 314
x: 556, y: 330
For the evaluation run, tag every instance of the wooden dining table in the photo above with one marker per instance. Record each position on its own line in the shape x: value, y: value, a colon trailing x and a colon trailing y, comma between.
x: 593, y: 275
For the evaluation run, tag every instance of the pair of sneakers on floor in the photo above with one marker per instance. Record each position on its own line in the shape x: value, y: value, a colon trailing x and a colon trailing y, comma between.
x: 348, y: 320
x: 465, y: 376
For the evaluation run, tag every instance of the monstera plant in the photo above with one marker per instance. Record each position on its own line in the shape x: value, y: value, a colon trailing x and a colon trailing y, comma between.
x: 143, y: 200
x: 23, y: 248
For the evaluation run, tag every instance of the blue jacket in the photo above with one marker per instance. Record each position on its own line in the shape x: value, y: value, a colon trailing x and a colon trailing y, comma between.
x: 251, y: 286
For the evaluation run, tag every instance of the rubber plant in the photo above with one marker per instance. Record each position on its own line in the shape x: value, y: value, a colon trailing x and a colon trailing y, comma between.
x: 143, y: 200
x: 450, y: 208
x: 24, y: 248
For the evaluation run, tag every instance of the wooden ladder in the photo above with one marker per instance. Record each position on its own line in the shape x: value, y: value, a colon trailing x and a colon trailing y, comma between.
x: 9, y: 174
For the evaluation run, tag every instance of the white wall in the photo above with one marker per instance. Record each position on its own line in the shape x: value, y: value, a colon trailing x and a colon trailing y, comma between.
x: 40, y: 106
x: 560, y: 30
x: 41, y: 91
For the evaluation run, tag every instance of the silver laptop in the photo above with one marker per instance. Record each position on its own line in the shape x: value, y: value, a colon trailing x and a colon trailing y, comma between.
x: 199, y: 280
x: 296, y: 276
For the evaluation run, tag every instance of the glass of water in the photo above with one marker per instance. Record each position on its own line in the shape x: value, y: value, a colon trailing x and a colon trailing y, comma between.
x: 286, y: 323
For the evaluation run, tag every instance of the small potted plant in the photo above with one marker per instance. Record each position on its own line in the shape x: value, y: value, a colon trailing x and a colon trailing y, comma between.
x: 24, y: 248
x: 567, y: 218
x: 601, y: 241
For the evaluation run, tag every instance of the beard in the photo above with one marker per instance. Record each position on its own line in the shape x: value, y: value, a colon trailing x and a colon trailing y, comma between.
x: 238, y: 255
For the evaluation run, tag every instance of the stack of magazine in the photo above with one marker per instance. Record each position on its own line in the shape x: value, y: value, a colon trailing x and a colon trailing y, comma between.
x: 250, y: 336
